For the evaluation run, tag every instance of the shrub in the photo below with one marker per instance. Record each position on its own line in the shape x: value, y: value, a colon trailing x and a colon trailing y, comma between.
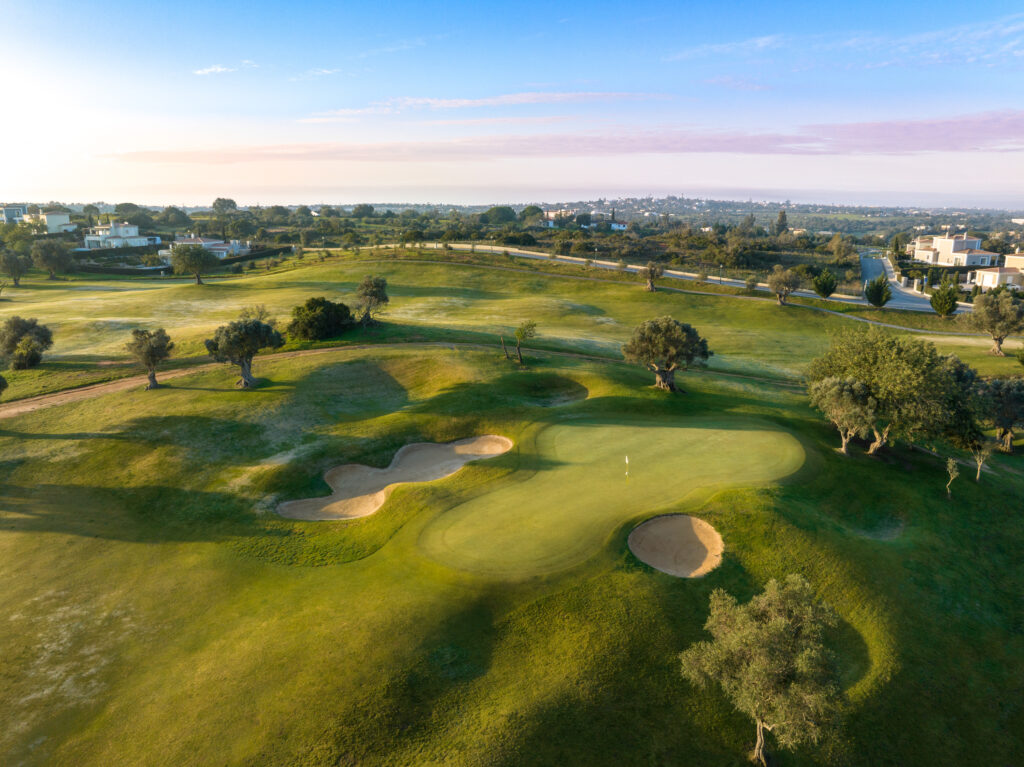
x: 751, y: 283
x: 27, y: 354
x: 319, y: 318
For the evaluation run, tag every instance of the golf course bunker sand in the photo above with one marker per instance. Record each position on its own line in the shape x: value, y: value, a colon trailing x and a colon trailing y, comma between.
x: 677, y: 544
x: 360, y: 490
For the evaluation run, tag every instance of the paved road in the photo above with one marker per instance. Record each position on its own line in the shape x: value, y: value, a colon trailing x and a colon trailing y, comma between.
x: 902, y: 298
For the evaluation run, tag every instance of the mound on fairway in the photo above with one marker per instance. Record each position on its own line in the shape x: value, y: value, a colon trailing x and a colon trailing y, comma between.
x: 677, y: 544
x: 577, y: 488
x: 360, y: 490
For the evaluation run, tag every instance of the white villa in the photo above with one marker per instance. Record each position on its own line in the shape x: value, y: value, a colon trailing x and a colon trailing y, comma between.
x: 219, y: 248
x: 123, y: 235
x: 1011, y: 275
x: 955, y: 250
x: 55, y: 222
x: 12, y: 214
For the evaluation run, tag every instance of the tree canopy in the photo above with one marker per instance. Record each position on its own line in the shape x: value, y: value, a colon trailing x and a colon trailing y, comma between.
x: 371, y: 296
x: 14, y: 265
x: 825, y: 283
x: 24, y: 341
x: 847, y: 403
x: 878, y: 292
x: 1004, y: 401
x: 224, y: 206
x: 944, y: 298
x: 319, y: 318
x: 526, y: 330
x: 997, y: 313
x: 903, y: 375
x: 51, y: 256
x: 782, y: 282
x: 238, y: 342
x: 652, y: 272
x: 770, y: 660
x: 193, y: 259
x: 149, y: 349
x: 663, y: 346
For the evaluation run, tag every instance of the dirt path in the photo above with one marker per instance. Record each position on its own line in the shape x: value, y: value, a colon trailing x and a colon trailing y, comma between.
x: 30, y: 404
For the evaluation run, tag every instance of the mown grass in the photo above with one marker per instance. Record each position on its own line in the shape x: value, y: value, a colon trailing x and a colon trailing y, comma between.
x: 466, y: 300
x: 158, y: 614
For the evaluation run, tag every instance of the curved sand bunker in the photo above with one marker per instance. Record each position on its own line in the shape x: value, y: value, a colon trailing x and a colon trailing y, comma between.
x: 360, y: 490
x: 677, y: 544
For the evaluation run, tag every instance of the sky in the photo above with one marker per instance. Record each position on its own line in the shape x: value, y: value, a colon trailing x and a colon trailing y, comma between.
x: 871, y: 102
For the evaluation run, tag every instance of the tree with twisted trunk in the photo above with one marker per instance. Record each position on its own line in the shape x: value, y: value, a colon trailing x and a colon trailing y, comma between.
x: 770, y: 660
x: 847, y: 404
x: 999, y: 314
x: 664, y: 346
x: 150, y: 348
x: 525, y: 331
x: 782, y: 282
x: 371, y: 297
x: 51, y: 256
x: 194, y: 260
x: 905, y: 376
x: 651, y: 273
x: 14, y: 265
x: 240, y: 341
x: 1004, y: 400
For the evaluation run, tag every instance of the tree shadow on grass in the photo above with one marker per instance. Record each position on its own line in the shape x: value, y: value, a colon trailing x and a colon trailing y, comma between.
x: 148, y: 514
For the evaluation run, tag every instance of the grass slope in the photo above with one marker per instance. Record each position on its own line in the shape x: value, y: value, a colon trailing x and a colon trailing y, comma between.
x: 155, y: 616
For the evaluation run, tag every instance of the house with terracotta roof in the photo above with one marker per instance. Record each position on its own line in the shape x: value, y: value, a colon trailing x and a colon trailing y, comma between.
x: 954, y: 250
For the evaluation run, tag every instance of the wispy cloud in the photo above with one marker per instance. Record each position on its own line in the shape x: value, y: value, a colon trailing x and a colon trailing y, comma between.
x: 538, y: 120
x: 396, y: 105
x: 981, y: 132
x: 747, y: 47
x: 311, y: 74
x: 218, y: 69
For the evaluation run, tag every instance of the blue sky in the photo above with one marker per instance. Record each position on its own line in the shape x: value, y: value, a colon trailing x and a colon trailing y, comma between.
x: 285, y: 102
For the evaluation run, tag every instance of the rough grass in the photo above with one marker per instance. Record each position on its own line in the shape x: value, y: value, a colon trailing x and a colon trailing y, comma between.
x: 155, y: 616
x: 465, y: 300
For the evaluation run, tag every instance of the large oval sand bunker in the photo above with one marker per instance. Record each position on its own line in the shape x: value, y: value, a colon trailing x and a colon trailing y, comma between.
x: 677, y: 544
x: 360, y: 490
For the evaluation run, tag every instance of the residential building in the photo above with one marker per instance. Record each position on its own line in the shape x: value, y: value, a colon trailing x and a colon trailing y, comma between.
x: 955, y: 250
x: 219, y: 248
x: 1015, y: 260
x: 55, y: 222
x: 996, y: 276
x: 113, y: 235
x: 12, y: 214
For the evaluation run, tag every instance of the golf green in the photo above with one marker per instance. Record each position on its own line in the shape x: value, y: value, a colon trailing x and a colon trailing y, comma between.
x: 578, y: 486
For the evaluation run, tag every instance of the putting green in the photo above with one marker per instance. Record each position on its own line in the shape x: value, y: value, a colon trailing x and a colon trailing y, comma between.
x: 574, y: 491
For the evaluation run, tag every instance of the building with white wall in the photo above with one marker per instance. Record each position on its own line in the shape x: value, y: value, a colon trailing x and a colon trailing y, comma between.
x: 54, y: 222
x: 112, y: 235
x: 12, y: 214
x: 955, y: 250
x: 219, y: 248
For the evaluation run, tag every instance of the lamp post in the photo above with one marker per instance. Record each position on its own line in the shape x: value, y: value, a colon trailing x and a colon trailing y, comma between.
x: 719, y: 274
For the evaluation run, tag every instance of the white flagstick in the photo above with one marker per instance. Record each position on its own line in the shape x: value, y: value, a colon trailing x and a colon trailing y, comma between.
x: 627, y: 465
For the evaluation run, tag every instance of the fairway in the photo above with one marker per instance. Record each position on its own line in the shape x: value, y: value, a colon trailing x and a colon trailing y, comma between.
x: 560, y: 510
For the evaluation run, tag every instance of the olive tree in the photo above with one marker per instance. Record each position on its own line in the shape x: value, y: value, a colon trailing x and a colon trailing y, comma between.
x: 782, y: 282
x: 238, y: 342
x: 525, y: 331
x: 1004, y: 400
x: 663, y: 346
x: 651, y: 273
x: 371, y: 297
x: 770, y: 660
x: 150, y: 348
x: 14, y: 265
x: 904, y: 376
x: 319, y: 318
x: 24, y: 341
x: 998, y: 314
x: 51, y: 256
x: 193, y: 259
x: 847, y: 403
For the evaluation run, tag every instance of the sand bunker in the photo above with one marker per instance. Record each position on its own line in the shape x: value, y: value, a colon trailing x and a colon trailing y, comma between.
x: 360, y: 490
x: 677, y: 544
